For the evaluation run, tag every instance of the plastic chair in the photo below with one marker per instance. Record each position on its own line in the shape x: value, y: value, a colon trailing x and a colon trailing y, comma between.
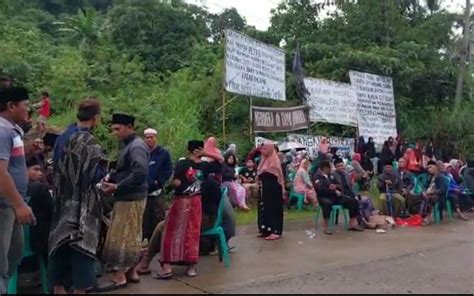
x: 300, y: 197
x: 218, y: 231
x: 28, y: 252
x: 333, y: 217
x: 438, y: 210
x: 420, y: 181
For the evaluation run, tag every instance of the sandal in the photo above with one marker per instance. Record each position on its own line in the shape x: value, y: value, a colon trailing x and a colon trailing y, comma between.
x: 164, y: 276
x: 328, y: 232
x: 111, y: 286
x: 191, y: 272
x: 356, y: 228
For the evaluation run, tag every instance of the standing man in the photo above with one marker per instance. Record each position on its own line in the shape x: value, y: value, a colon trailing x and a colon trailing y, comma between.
x: 75, y: 228
x: 129, y: 185
x: 159, y: 172
x: 14, y: 211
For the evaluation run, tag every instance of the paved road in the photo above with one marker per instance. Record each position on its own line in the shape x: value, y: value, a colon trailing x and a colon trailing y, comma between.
x: 435, y: 259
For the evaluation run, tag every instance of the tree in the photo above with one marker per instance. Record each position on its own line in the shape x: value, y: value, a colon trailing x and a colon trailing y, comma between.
x: 83, y: 27
x: 228, y: 19
x: 162, y: 35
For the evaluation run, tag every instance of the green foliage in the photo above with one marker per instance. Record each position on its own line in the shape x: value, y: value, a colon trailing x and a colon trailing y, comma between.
x: 164, y: 62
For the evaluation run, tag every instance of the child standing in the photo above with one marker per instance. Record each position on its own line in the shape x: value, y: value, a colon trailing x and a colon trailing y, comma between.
x: 44, y: 111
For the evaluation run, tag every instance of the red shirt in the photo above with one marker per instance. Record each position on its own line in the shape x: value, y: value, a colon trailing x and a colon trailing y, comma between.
x: 45, y: 108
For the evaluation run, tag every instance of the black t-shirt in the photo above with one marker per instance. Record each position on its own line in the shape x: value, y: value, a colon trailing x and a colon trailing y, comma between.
x: 187, y: 171
x: 41, y: 204
x: 248, y: 174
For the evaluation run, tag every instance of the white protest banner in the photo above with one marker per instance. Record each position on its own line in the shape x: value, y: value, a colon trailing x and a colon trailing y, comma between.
x: 376, y: 106
x: 331, y: 101
x: 377, y: 127
x: 374, y: 94
x: 253, y: 68
x: 344, y: 145
x: 260, y: 140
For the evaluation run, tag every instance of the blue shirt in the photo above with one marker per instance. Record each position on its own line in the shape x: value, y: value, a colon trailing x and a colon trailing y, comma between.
x: 159, y: 169
x: 12, y: 150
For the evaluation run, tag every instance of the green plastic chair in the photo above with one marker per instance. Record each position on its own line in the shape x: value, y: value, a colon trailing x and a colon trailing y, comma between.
x: 420, y: 181
x: 333, y: 217
x: 295, y: 195
x: 218, y: 231
x: 28, y: 252
x: 395, y: 165
x: 437, y: 212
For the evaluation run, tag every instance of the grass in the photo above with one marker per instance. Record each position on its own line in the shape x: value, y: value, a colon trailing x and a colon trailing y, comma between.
x: 295, y: 215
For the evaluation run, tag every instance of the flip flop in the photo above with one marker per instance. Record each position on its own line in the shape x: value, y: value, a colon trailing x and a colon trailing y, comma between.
x: 164, y: 276
x: 358, y: 229
x: 112, y: 286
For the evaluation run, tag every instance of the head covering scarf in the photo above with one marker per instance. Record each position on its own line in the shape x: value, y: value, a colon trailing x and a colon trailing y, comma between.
x: 270, y: 163
x: 357, y: 157
x: 210, y: 146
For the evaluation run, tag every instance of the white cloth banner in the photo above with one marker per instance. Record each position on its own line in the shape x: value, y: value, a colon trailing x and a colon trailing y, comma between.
x: 260, y: 140
x: 344, y: 145
x: 377, y: 127
x: 254, y: 68
x: 330, y: 101
x: 376, y: 106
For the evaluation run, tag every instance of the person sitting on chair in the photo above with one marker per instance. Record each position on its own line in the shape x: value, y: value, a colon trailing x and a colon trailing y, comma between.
x: 328, y: 195
x: 389, y: 185
x: 407, y: 182
x: 433, y: 191
x: 303, y: 185
x: 455, y: 193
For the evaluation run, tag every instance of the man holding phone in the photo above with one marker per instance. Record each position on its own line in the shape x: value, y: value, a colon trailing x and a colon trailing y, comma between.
x: 14, y: 210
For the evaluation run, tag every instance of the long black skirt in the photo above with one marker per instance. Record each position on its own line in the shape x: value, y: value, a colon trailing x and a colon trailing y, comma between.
x: 270, y: 209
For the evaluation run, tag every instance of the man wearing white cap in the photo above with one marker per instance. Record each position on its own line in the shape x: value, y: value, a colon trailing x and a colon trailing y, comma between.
x: 159, y: 172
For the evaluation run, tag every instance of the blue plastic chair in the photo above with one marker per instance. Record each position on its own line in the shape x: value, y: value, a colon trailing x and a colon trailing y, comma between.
x: 28, y: 252
x: 333, y: 217
x: 438, y: 210
x: 218, y: 231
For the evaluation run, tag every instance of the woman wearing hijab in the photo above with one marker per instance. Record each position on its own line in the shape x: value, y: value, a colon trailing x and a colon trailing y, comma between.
x: 182, y: 228
x: 303, y: 184
x: 236, y: 191
x: 412, y: 163
x: 361, y: 145
x: 270, y: 210
x: 386, y: 155
x: 324, y: 146
x: 370, y: 149
x: 360, y: 175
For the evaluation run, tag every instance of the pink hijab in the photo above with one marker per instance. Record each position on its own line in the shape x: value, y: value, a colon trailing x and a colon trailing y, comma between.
x: 210, y: 146
x: 270, y: 163
x: 357, y: 157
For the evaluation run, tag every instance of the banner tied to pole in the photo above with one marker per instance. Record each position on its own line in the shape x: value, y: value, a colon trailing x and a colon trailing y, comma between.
x: 253, y: 68
x: 279, y: 119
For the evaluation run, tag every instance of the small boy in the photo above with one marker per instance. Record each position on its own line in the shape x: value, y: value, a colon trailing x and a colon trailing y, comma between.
x: 41, y: 203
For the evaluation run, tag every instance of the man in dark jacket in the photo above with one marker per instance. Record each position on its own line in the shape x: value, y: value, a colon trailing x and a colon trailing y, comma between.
x: 328, y: 195
x: 129, y: 186
x: 159, y: 172
x: 389, y: 185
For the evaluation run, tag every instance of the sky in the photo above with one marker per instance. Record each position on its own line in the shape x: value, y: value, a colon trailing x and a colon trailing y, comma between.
x: 257, y: 12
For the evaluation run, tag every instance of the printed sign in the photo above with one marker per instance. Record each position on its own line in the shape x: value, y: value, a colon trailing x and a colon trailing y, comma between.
x: 344, y: 145
x: 260, y: 140
x: 279, y: 119
x: 331, y: 101
x: 254, y: 68
x: 377, y: 127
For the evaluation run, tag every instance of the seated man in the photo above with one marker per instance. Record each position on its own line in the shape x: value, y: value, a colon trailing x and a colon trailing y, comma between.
x: 407, y: 182
x: 343, y: 179
x: 328, y: 195
x: 455, y: 193
x: 433, y: 191
x: 248, y: 177
x: 389, y: 186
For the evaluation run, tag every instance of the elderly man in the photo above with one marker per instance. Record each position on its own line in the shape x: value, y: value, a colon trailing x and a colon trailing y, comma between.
x: 129, y: 185
x: 389, y: 184
x: 159, y: 172
x: 407, y: 182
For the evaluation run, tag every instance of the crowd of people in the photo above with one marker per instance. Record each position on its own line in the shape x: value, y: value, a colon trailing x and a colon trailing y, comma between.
x: 88, y: 214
